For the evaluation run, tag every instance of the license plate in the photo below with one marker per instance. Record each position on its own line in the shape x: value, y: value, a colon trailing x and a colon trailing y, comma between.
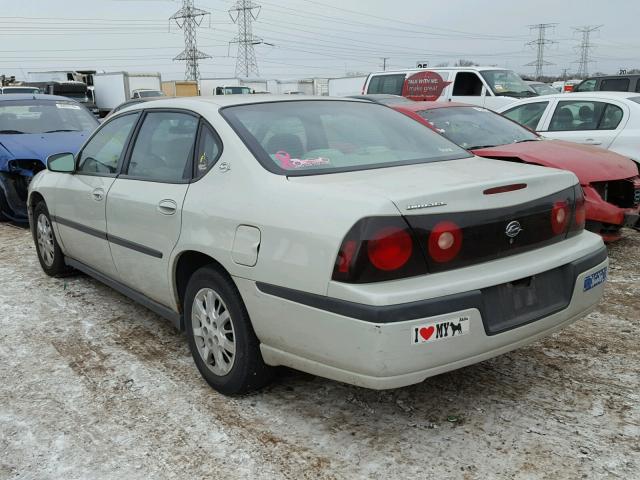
x: 595, y: 279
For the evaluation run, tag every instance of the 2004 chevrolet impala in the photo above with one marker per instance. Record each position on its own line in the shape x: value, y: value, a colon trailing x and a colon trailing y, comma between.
x: 337, y: 237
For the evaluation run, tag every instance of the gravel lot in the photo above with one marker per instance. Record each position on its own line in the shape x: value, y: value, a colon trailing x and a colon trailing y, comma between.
x: 95, y: 386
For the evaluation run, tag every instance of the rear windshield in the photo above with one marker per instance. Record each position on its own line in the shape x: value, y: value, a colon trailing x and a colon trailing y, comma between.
x: 37, y: 116
x: 475, y: 127
x: 311, y: 137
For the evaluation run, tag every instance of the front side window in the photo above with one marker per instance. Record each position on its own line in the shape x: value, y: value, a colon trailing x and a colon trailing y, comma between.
x: 528, y: 114
x: 331, y: 136
x: 103, y: 152
x: 164, y: 147
x: 507, y: 83
x: 614, y: 85
x: 586, y: 86
x: 389, y: 84
x: 44, y: 116
x: 467, y: 84
x: 474, y: 127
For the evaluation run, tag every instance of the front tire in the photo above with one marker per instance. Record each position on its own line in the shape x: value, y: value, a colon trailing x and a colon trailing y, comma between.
x: 221, y: 338
x: 49, y: 252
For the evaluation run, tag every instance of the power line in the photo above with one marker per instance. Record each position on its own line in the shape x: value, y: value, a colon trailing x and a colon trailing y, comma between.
x: 188, y: 18
x: 541, y: 42
x: 244, y: 12
x: 585, y: 49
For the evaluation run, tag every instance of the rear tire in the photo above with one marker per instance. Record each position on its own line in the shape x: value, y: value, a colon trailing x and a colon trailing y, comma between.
x: 49, y: 252
x: 221, y: 338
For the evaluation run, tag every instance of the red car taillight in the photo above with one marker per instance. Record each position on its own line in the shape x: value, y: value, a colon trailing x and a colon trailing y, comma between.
x: 378, y: 249
x: 390, y: 249
x: 445, y: 242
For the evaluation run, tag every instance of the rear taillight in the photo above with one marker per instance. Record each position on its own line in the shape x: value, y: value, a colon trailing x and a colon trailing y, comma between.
x: 445, y: 242
x: 378, y: 249
x: 390, y: 249
x: 579, y: 212
x: 559, y: 217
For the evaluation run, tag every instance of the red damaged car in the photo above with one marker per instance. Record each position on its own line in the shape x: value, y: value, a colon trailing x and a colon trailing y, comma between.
x: 610, y: 181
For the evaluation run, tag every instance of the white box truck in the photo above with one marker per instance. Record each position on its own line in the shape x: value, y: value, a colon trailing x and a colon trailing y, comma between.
x: 346, y: 86
x: 113, y: 88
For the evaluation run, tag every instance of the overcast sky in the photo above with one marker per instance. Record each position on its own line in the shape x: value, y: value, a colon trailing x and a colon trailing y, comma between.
x: 313, y: 37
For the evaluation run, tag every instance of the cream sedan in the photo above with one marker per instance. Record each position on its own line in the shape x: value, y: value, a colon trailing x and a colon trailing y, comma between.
x: 334, y: 236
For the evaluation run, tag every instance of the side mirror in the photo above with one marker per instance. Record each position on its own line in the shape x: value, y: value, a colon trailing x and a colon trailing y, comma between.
x: 62, y: 162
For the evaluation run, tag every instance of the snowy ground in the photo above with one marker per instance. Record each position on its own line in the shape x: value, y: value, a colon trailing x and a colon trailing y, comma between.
x: 95, y: 386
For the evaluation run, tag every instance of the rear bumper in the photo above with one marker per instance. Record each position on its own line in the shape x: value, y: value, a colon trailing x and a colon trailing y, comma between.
x: 372, y: 346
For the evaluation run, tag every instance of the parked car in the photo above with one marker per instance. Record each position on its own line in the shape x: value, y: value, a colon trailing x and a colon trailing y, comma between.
x: 542, y: 88
x: 489, y: 87
x: 606, y: 119
x: 610, y: 182
x: 32, y: 127
x: 18, y: 89
x: 146, y: 93
x: 610, y: 83
x: 337, y: 237
x: 134, y: 101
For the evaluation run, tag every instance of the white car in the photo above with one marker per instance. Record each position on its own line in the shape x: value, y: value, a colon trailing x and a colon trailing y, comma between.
x: 334, y: 236
x: 606, y: 119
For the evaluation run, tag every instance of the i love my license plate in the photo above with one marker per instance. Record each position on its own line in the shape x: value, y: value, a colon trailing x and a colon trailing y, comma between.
x: 595, y: 279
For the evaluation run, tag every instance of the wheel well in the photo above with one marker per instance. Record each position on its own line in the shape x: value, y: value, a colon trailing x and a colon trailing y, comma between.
x: 188, y: 263
x: 34, y: 199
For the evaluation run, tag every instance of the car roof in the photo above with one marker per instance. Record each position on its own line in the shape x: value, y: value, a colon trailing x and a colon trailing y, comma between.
x: 596, y: 95
x: 624, y: 75
x: 231, y: 100
x: 437, y: 69
x: 34, y: 96
x: 420, y: 106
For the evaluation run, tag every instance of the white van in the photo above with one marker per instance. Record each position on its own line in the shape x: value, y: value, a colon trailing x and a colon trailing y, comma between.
x: 488, y: 87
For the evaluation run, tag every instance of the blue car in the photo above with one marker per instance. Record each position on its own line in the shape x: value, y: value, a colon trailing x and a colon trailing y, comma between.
x: 32, y: 127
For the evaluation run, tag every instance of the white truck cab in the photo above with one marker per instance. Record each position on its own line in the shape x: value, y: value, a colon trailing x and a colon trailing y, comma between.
x: 488, y: 87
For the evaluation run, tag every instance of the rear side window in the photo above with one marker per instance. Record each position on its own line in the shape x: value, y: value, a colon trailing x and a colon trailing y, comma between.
x: 208, y: 150
x: 637, y: 89
x: 389, y: 84
x: 585, y: 115
x: 102, y: 154
x: 528, y: 114
x: 615, y: 85
x: 164, y: 147
x: 611, y: 118
x: 467, y: 84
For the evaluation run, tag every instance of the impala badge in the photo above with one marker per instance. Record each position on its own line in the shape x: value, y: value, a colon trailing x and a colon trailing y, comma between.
x: 425, y: 205
x: 513, y: 229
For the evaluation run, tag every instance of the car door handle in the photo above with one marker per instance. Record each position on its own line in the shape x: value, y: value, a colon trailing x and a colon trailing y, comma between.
x: 167, y: 207
x: 98, y: 194
x: 591, y: 141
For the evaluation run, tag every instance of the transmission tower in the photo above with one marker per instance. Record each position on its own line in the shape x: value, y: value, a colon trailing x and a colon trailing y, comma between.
x: 541, y: 42
x: 585, y: 49
x: 188, y: 18
x: 244, y: 12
